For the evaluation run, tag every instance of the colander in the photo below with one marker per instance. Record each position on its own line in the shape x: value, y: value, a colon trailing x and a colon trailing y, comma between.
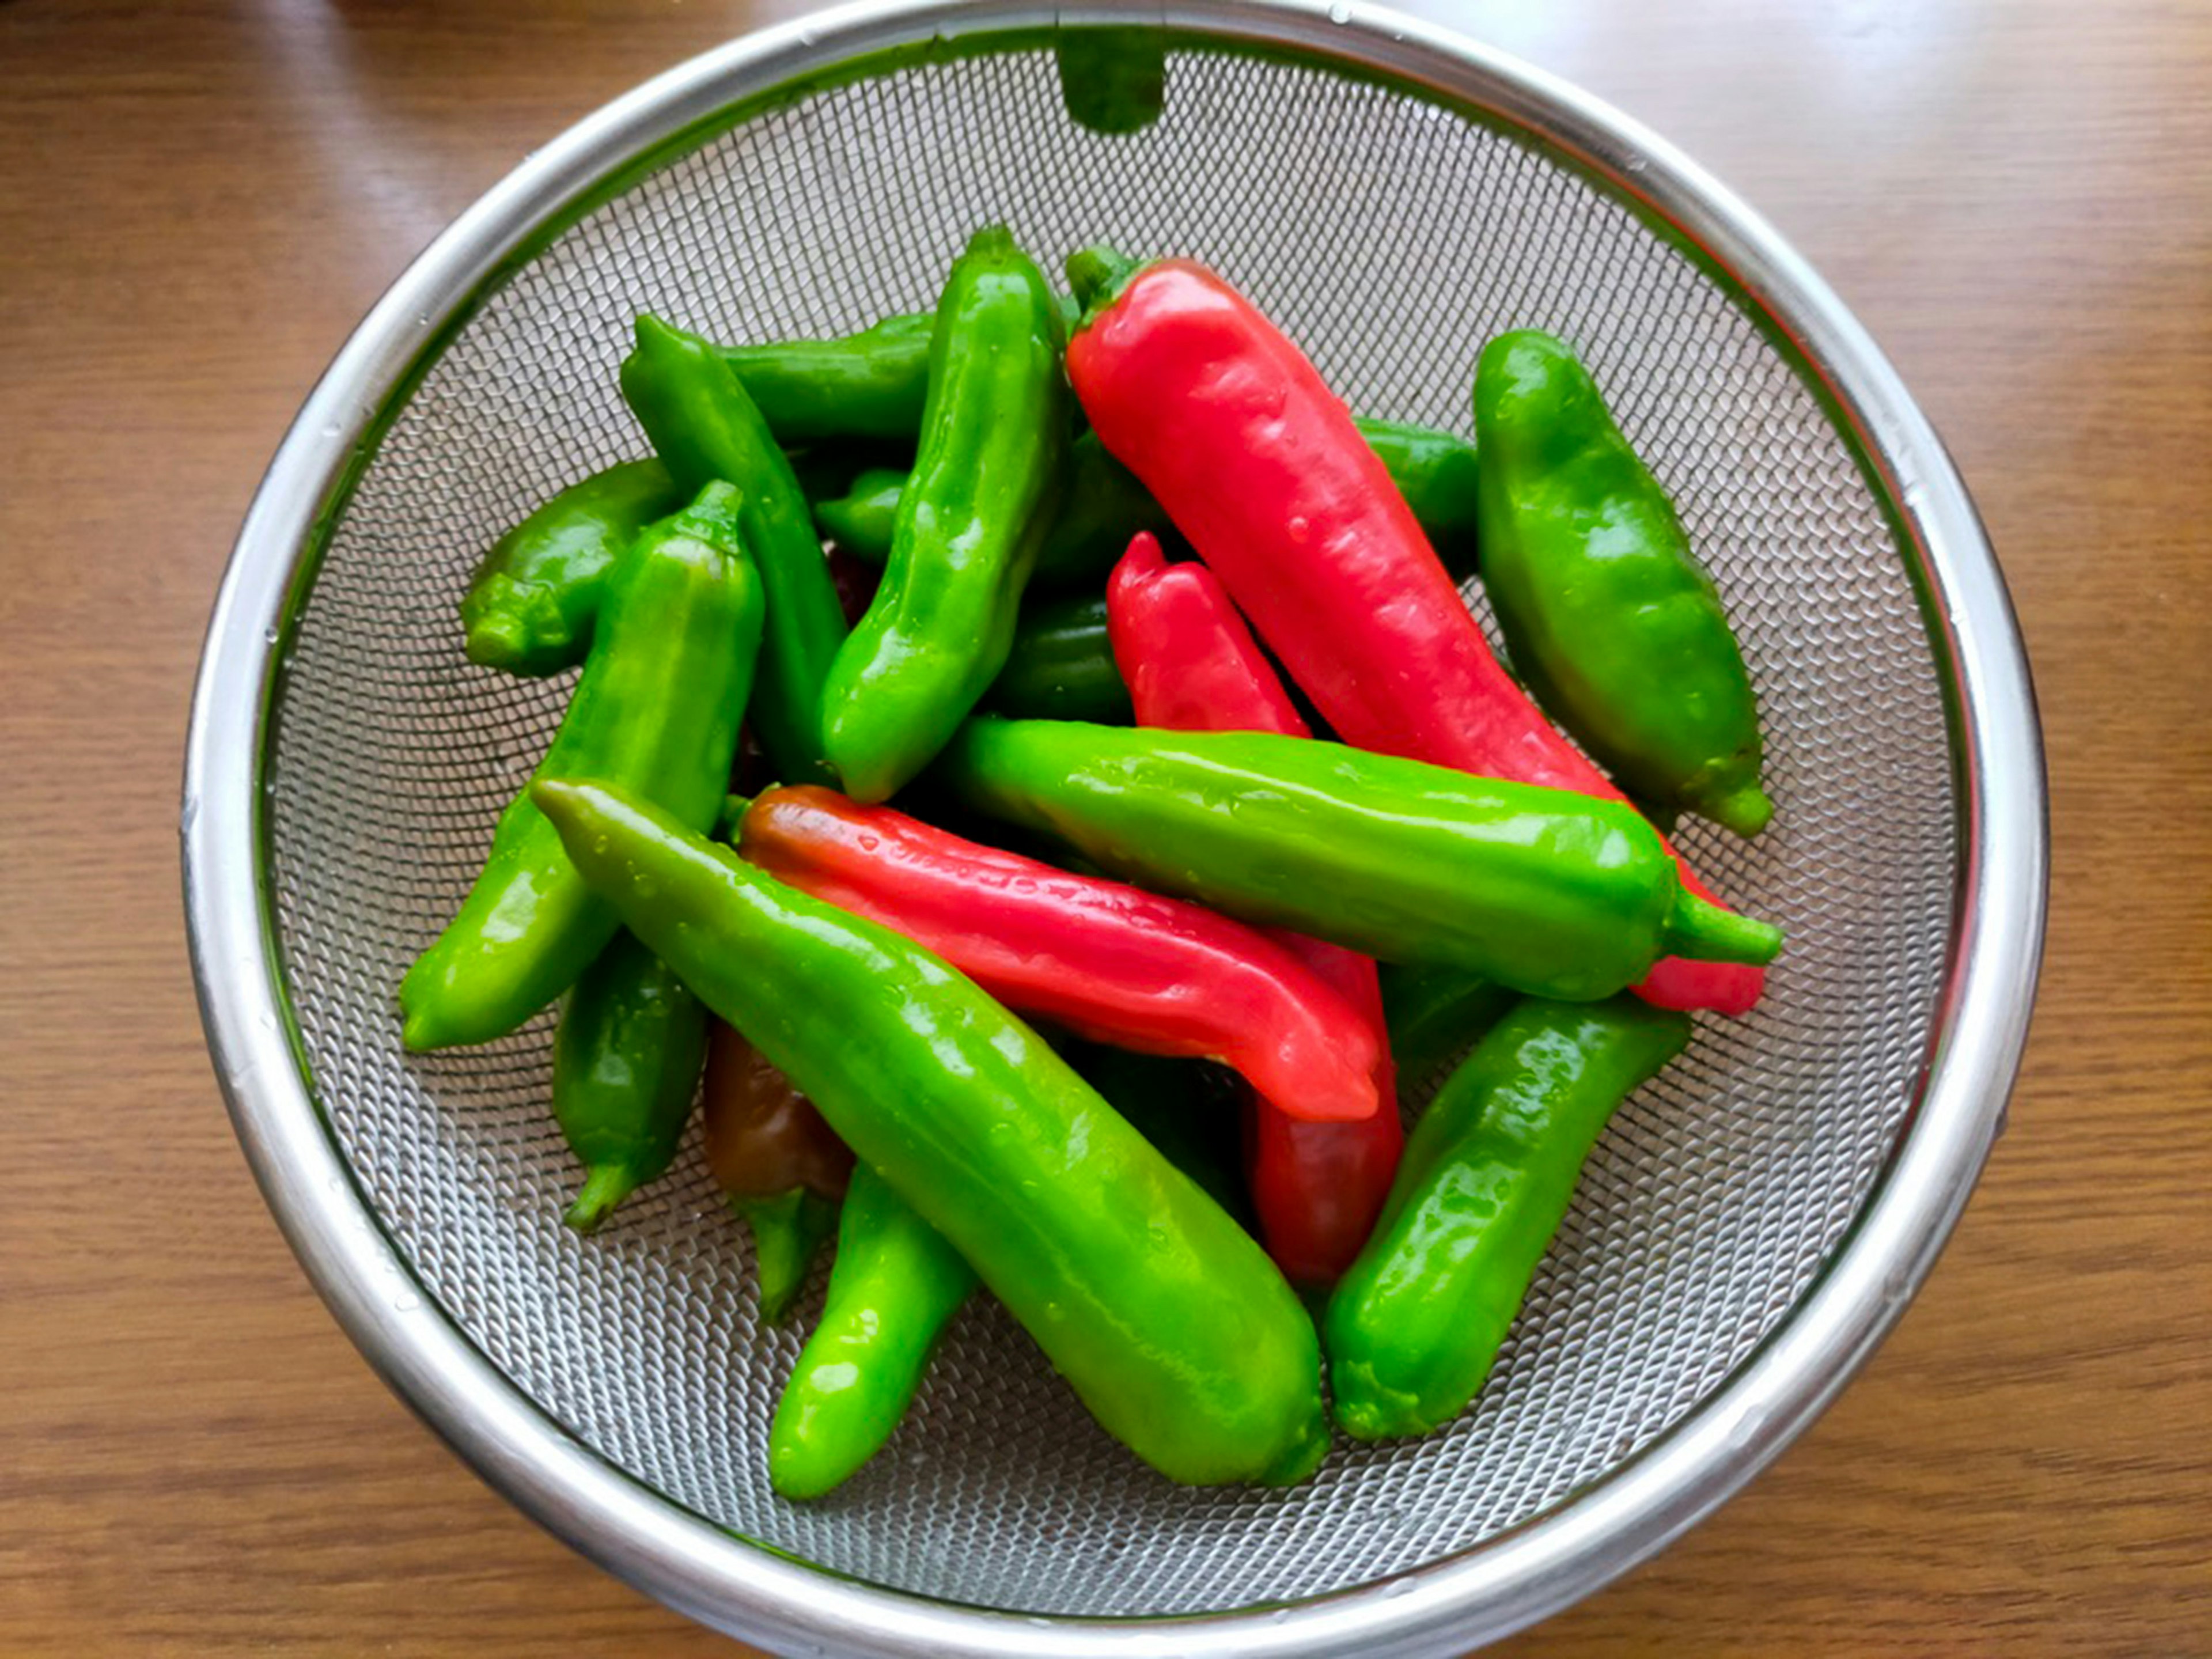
x: 1750, y: 1225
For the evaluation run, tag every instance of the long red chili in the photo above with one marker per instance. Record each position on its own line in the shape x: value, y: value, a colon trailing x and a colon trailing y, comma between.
x: 1109, y: 962
x: 1258, y: 463
x: 1192, y: 665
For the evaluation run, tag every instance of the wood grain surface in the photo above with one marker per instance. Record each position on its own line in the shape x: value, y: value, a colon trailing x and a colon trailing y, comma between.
x: 197, y: 201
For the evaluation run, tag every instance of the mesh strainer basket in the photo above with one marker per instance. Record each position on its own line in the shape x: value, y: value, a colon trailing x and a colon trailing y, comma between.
x: 1750, y: 1225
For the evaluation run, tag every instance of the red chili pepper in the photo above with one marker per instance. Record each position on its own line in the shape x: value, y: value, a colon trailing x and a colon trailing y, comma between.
x: 1258, y: 463
x: 1109, y: 962
x: 1192, y: 665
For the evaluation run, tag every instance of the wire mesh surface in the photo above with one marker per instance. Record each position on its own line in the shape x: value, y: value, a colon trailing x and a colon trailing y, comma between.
x: 1391, y: 238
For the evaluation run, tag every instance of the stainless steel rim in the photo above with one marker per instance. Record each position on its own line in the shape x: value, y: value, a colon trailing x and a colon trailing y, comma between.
x: 1507, y: 1583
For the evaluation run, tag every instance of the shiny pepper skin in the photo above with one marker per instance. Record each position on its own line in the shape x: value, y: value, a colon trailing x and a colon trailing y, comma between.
x: 1259, y: 463
x: 987, y: 483
x: 1607, y: 615
x: 657, y: 709
x: 705, y: 427
x: 530, y: 604
x: 894, y: 1285
x: 1168, y: 1321
x: 626, y: 1060
x: 1107, y: 961
x: 1194, y: 666
x: 1413, y: 1327
x: 1543, y: 890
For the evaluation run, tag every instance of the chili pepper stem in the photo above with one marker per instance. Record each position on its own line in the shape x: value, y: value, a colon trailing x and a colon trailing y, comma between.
x: 1096, y: 274
x: 1703, y: 932
x: 605, y: 1185
x: 1746, y: 812
x: 496, y: 640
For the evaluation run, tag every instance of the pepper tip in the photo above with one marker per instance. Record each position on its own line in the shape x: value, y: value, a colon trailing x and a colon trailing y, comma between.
x: 1745, y: 812
x: 1703, y: 932
x: 605, y: 1185
x: 495, y: 640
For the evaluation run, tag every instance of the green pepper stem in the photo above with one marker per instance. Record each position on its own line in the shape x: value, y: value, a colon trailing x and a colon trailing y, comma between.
x: 717, y: 504
x: 992, y: 239
x: 1704, y: 932
x: 1096, y: 274
x: 1745, y: 812
x: 497, y: 640
x: 605, y: 1185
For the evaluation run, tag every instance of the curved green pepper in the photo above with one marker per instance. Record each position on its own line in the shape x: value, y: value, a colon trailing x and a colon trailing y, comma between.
x: 1610, y: 620
x: 787, y: 1228
x: 1062, y: 665
x: 1105, y: 506
x: 1100, y: 508
x: 986, y: 483
x: 859, y: 521
x: 657, y: 709
x: 1544, y: 890
x: 1436, y: 472
x: 1169, y: 1322
x: 868, y: 385
x: 894, y: 1285
x: 1489, y: 1171
x: 704, y: 428
x: 626, y: 1063
x: 530, y: 604
x: 871, y: 385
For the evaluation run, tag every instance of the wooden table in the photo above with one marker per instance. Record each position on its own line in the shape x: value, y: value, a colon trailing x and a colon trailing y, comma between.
x: 196, y: 203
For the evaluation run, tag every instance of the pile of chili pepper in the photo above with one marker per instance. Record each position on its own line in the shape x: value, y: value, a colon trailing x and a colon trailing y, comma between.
x: 1219, y: 833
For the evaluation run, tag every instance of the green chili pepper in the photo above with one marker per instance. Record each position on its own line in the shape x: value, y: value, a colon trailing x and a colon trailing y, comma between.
x: 1062, y: 665
x: 894, y: 1285
x: 787, y: 1228
x: 1413, y: 1327
x: 1610, y: 620
x: 986, y: 481
x: 1105, y: 506
x: 626, y: 1060
x: 657, y: 709
x: 859, y: 521
x: 871, y: 385
x: 1435, y: 1014
x: 1169, y: 1321
x: 529, y: 604
x: 704, y: 428
x: 1113, y: 80
x: 1436, y: 472
x: 1547, y: 892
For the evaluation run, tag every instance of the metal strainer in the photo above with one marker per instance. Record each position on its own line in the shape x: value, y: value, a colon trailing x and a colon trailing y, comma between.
x: 1750, y: 1225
